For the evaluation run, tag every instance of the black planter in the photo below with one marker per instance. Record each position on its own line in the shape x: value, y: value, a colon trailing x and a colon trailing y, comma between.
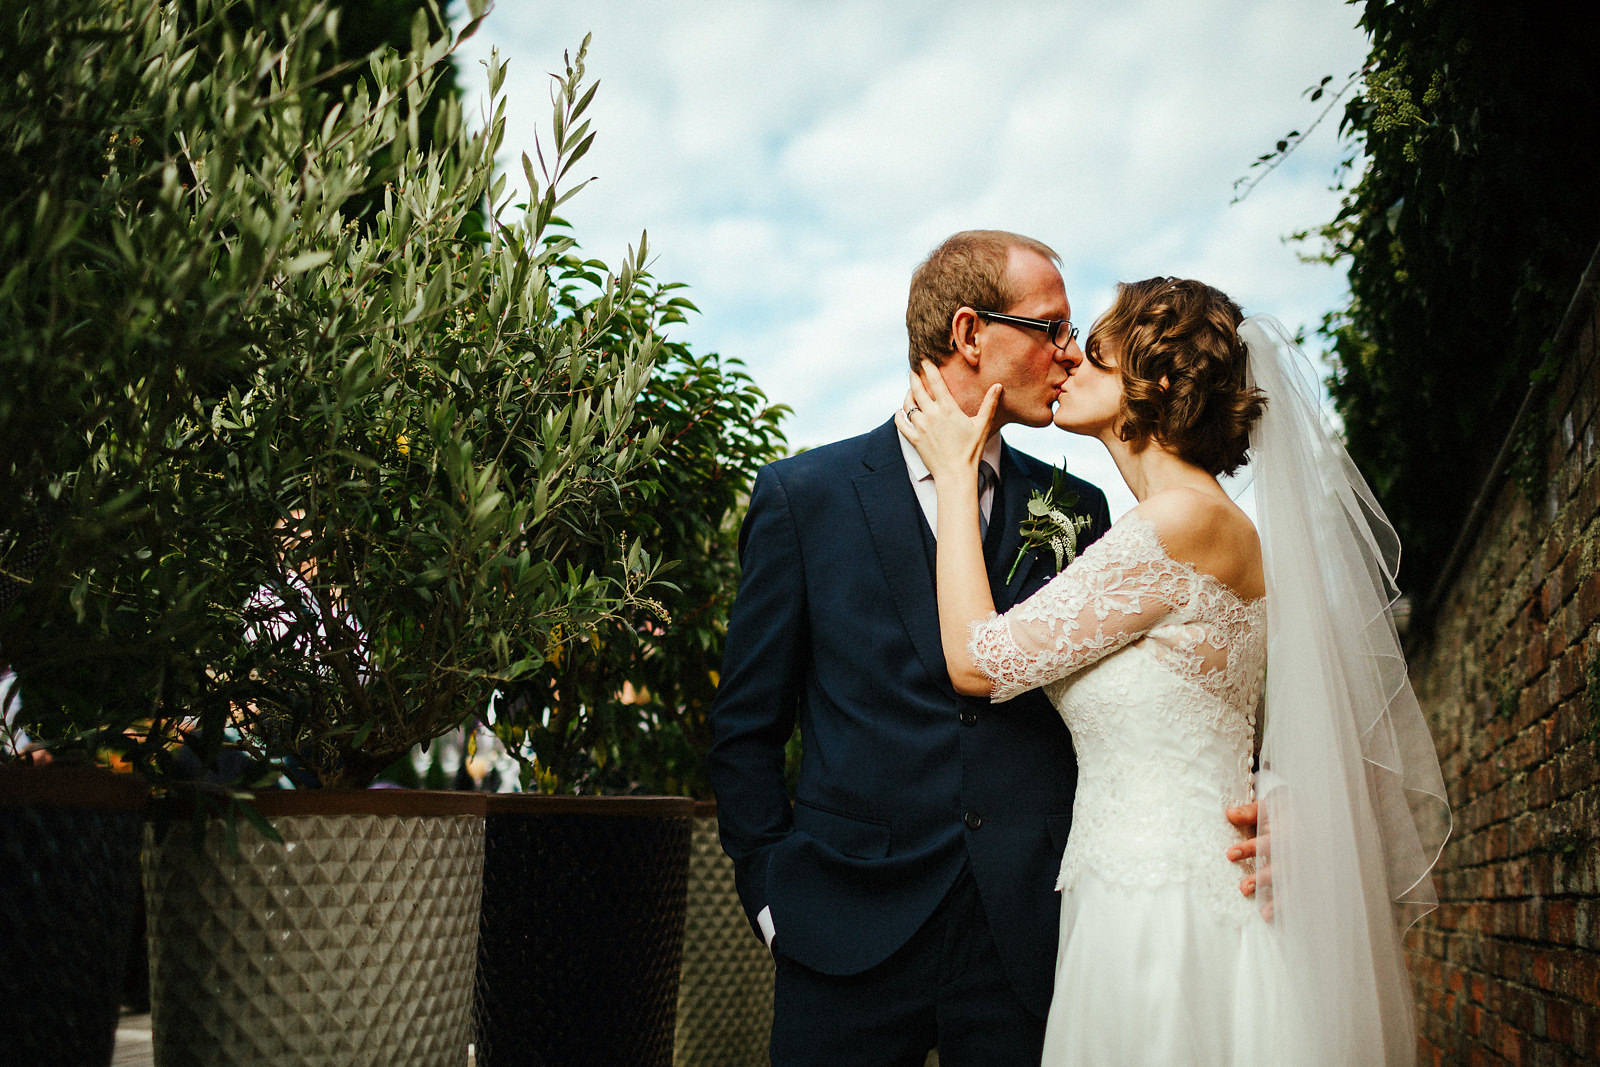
x: 69, y: 870
x: 582, y: 930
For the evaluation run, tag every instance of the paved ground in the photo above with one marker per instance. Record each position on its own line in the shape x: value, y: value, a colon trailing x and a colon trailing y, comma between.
x: 133, y: 1043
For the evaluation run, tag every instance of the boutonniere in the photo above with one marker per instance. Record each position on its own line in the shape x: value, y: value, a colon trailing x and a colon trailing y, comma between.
x: 1051, y: 524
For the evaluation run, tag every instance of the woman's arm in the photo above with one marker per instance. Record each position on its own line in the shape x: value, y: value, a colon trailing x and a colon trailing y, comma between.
x: 950, y: 442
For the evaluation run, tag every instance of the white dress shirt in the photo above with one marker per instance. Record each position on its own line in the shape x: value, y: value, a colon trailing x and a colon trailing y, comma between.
x: 922, y: 479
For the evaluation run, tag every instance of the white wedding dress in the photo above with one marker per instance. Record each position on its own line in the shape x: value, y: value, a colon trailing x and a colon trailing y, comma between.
x: 1157, y: 669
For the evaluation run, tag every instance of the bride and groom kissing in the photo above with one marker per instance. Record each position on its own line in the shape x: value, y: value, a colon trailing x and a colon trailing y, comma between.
x: 1095, y: 738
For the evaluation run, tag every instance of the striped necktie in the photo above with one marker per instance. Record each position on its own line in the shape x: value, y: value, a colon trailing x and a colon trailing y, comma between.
x: 986, y: 480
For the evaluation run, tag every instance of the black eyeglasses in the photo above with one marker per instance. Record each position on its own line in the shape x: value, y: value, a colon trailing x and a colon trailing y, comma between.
x: 1060, y: 331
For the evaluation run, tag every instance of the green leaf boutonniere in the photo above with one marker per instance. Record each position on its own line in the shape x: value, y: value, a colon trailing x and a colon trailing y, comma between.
x: 1050, y: 524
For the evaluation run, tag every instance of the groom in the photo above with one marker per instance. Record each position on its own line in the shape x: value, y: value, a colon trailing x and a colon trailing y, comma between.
x: 907, y: 893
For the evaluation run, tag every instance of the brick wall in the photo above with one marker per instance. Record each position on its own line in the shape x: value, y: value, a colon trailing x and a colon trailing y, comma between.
x: 1506, y: 663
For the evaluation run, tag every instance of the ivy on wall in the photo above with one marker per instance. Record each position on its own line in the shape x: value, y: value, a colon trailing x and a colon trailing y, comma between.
x: 1469, y: 213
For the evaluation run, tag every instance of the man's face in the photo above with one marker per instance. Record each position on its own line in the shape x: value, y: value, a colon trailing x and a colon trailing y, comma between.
x: 1031, y: 369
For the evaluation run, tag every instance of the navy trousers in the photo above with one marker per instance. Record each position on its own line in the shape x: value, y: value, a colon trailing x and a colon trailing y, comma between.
x: 944, y: 989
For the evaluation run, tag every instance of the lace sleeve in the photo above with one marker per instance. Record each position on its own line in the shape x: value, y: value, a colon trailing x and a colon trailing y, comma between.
x: 1119, y: 589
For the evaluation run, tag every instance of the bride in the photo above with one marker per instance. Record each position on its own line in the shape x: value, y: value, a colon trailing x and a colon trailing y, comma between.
x: 1159, y: 645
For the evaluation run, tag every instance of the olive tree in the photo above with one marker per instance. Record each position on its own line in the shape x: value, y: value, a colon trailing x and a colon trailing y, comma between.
x: 280, y: 481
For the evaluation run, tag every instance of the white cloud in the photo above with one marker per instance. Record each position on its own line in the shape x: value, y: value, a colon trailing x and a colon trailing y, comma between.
x: 793, y: 161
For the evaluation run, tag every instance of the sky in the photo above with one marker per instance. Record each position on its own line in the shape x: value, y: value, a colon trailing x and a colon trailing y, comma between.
x: 793, y: 162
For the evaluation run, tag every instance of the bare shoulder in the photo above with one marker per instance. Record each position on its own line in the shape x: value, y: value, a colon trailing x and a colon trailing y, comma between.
x: 1209, y: 532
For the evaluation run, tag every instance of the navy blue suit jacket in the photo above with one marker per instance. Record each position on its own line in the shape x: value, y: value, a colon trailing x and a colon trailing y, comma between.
x: 902, y: 780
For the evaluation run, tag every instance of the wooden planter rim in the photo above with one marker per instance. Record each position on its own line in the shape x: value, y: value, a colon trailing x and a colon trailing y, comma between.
x: 70, y: 787
x: 632, y: 807
x: 274, y: 803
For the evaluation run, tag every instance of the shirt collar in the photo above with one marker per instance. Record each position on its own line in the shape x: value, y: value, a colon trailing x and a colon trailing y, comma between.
x: 919, y: 470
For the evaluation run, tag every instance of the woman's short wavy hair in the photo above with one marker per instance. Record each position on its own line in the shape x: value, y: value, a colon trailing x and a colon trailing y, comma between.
x: 1176, y: 343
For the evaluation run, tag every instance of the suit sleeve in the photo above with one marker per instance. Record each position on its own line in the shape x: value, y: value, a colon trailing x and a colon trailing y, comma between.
x: 759, y: 692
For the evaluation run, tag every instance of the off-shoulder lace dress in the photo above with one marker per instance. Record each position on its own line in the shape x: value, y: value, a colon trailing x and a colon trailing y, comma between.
x: 1157, y: 669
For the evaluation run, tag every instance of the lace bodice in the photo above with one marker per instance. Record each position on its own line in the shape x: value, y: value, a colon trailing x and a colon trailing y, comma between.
x: 1157, y: 669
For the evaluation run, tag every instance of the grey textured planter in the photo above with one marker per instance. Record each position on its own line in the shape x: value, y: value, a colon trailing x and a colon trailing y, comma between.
x: 353, y: 942
x: 725, y: 992
x: 69, y: 847
x: 582, y: 930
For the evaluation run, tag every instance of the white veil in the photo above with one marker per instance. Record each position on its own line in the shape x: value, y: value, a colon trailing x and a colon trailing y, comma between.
x: 1353, y: 805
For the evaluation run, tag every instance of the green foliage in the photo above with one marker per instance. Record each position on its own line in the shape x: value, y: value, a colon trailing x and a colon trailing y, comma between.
x: 1567, y: 840
x: 1510, y: 699
x: 317, y: 486
x: 627, y: 706
x: 1464, y: 237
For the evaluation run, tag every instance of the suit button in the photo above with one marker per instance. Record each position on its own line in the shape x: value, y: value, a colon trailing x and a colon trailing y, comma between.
x: 972, y: 819
x: 969, y: 718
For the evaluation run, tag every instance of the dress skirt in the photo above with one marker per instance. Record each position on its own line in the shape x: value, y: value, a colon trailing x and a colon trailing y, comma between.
x: 1160, y: 977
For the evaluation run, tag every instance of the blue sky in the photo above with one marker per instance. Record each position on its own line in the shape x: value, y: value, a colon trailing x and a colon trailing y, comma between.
x: 793, y: 162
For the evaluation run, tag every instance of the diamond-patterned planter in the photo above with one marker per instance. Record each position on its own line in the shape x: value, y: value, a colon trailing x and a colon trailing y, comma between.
x: 352, y: 943
x: 69, y: 846
x: 725, y: 992
x: 582, y: 941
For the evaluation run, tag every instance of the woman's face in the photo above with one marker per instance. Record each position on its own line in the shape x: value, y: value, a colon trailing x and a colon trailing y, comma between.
x: 1091, y: 397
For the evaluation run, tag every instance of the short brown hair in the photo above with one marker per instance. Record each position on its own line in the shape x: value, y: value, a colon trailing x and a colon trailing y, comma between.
x: 1188, y: 333
x: 967, y: 270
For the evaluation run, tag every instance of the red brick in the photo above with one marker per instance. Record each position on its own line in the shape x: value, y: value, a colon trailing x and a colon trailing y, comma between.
x: 1589, y: 597
x: 1589, y: 493
x: 1513, y: 957
x: 1497, y: 842
x: 1526, y: 833
x: 1549, y: 556
x: 1558, y: 1021
x: 1586, y: 1035
x: 1541, y: 785
x: 1505, y: 804
x: 1541, y: 970
x: 1569, y: 668
x: 1531, y: 919
x: 1509, y: 960
x: 1553, y: 592
x: 1558, y: 633
x: 1536, y: 656
x: 1472, y: 815
x: 1540, y: 870
x: 1575, y: 770
x: 1523, y: 751
x: 1585, y: 970
x: 1479, y: 776
x: 1513, y: 879
x: 1561, y: 921
x: 1509, y: 1043
x: 1573, y: 721
x: 1566, y: 579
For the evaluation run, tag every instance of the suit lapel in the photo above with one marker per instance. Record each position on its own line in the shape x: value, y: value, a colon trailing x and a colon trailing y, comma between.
x: 894, y: 519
